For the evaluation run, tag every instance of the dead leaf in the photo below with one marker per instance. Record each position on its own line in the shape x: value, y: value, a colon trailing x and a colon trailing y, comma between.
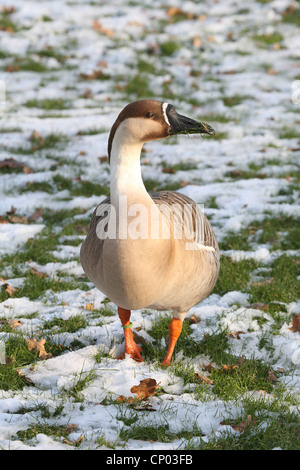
x: 15, y: 219
x: 236, y: 334
x: 92, y: 76
x: 174, y: 11
x: 244, y: 425
x: 202, y: 379
x: 36, y: 215
x: 271, y: 376
x: 145, y: 389
x: 11, y: 211
x: 231, y: 367
x: 8, y: 288
x: 37, y: 140
x: 102, y: 30
x: 209, y: 367
x: 38, y: 273
x: 122, y: 399
x: 20, y: 374
x: 38, y: 347
x: 14, y: 67
x: 7, y: 10
x: 169, y: 170
x: 138, y: 338
x: 103, y: 159
x: 71, y: 428
x: 241, y: 360
x: 14, y: 323
x: 89, y: 306
x: 258, y: 305
x: 295, y: 324
x: 193, y: 319
x: 14, y: 164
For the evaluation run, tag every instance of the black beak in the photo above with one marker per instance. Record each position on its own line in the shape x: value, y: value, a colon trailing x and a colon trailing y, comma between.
x: 183, y: 125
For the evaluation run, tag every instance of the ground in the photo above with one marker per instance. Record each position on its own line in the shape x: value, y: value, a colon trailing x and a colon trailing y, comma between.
x: 67, y: 69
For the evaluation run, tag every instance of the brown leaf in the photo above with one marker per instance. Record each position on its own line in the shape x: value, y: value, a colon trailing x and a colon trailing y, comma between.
x: 193, y: 319
x: 102, y: 30
x: 23, y: 376
x: 71, y: 428
x: 202, y: 379
x: 36, y: 215
x: 244, y: 425
x: 168, y: 169
x: 271, y: 376
x: 138, y: 338
x: 38, y: 347
x: 91, y: 76
x: 14, y: 164
x: 236, y: 334
x: 122, y: 399
x: 229, y: 368
x: 89, y: 306
x: 9, y: 289
x: 258, y: 305
x: 14, y: 323
x: 295, y: 324
x: 209, y: 367
x: 38, y: 273
x: 145, y: 389
x: 15, y: 219
x: 11, y: 211
x: 241, y: 360
x: 174, y: 11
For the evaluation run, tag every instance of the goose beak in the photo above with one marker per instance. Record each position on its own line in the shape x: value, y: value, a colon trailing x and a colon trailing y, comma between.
x: 184, y: 125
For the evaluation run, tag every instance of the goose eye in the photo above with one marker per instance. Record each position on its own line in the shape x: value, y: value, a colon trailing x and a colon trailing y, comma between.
x: 149, y: 115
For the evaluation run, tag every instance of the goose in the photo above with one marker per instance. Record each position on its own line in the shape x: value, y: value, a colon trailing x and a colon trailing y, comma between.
x: 149, y: 251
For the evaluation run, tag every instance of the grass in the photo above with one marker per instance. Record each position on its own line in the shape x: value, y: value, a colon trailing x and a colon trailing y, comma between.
x: 235, y: 100
x: 282, y: 284
x: 292, y: 16
x: 268, y: 39
x: 282, y: 433
x: 48, y: 104
x: 182, y: 71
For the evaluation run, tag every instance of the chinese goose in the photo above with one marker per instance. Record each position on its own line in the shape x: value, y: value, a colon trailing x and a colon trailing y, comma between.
x: 149, y: 251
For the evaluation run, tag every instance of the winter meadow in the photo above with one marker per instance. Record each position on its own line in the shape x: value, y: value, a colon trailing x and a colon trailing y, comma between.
x: 67, y: 68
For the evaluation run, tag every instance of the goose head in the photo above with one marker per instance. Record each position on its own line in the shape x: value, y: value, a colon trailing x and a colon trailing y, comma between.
x: 145, y: 120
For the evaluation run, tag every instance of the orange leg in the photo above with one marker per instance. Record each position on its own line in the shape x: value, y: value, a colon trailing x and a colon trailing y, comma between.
x: 175, y: 328
x: 130, y: 346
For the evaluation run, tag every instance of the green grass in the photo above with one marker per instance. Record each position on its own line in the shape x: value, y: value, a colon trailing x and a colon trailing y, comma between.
x: 169, y: 48
x: 268, y: 39
x: 17, y: 356
x: 48, y: 104
x: 282, y: 432
x: 139, y: 87
x: 241, y: 386
x: 71, y: 325
x: 282, y: 284
x: 34, y: 286
x: 234, y: 275
x: 292, y: 17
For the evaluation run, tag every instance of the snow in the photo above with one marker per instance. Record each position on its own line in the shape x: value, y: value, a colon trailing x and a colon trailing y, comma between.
x: 228, y: 63
x: 12, y: 236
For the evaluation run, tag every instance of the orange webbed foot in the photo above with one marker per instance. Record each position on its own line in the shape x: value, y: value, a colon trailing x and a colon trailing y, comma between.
x: 134, y: 351
x: 131, y: 347
x: 175, y: 328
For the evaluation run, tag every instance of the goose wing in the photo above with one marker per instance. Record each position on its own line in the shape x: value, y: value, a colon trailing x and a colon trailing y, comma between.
x: 189, y: 214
